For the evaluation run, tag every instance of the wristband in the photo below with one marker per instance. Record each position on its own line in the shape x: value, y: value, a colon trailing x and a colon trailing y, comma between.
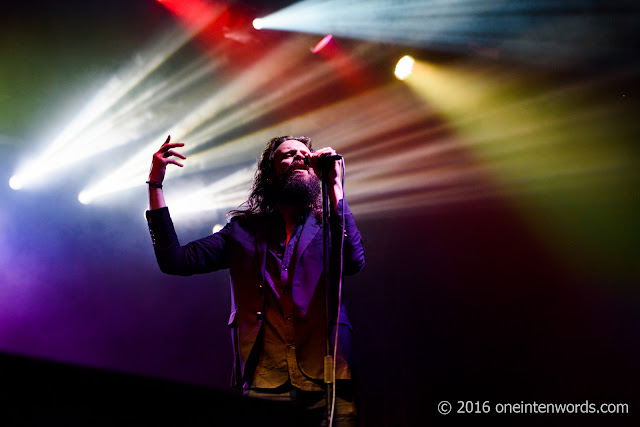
x: 154, y: 184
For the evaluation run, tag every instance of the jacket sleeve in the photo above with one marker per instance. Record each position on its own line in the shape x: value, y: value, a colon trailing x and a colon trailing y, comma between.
x: 353, y: 251
x: 200, y: 256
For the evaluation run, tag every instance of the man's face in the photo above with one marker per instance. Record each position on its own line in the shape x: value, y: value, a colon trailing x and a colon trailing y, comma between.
x: 296, y: 183
x: 289, y: 159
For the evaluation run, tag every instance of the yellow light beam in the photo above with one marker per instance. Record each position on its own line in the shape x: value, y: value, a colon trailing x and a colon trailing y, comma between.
x: 564, y: 153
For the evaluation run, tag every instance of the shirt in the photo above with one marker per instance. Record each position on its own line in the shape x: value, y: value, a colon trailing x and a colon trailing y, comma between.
x: 276, y: 361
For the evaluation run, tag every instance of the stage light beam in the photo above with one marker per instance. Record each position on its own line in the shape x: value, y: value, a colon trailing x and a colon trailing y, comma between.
x: 404, y: 67
x: 322, y: 43
x: 15, y: 182
x: 85, y: 198
x: 559, y: 150
x: 543, y: 32
x: 106, y: 120
x: 220, y: 113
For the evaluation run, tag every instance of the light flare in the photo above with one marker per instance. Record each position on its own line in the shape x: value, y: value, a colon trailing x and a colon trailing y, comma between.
x: 231, y: 107
x: 322, y: 43
x: 545, y: 32
x: 404, y: 67
x: 116, y: 115
x: 555, y: 151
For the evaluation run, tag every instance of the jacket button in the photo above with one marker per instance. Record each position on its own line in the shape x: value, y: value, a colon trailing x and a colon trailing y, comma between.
x: 259, y: 315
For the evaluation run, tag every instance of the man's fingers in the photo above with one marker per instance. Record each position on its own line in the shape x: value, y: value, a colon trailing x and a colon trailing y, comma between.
x: 324, y: 151
x: 173, y: 153
x: 167, y: 147
x: 167, y: 141
x: 174, y: 162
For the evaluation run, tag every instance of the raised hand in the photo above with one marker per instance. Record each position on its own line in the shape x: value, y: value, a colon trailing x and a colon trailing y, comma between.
x: 164, y: 156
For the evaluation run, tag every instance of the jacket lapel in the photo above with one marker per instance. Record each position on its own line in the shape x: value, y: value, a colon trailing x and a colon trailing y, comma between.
x: 309, y: 231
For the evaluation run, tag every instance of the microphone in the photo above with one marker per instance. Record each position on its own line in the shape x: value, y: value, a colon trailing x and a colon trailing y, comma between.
x: 323, y: 159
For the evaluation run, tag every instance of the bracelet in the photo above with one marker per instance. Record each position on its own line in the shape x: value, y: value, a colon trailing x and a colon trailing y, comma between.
x: 154, y: 184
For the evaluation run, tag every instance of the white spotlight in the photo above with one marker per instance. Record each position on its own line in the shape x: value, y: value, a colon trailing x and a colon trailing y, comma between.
x: 404, y: 67
x: 15, y: 182
x: 258, y: 23
x: 85, y: 198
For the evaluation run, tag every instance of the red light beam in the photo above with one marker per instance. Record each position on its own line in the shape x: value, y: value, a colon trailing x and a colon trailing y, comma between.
x: 322, y: 43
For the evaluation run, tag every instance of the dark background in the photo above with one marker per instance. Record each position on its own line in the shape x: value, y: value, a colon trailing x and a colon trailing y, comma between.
x: 462, y: 302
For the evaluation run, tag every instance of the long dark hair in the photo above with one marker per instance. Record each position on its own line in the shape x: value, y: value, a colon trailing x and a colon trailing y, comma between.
x: 262, y: 198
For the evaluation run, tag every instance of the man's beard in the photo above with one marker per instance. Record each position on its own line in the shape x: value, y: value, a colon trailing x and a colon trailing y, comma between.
x: 301, y: 190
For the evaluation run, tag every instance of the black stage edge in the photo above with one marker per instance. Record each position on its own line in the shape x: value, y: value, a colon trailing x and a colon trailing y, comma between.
x: 37, y: 392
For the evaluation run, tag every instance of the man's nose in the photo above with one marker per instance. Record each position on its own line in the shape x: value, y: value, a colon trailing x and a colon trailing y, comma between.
x: 299, y: 156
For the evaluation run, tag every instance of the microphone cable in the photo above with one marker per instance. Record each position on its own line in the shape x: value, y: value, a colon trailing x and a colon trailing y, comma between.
x: 335, y: 341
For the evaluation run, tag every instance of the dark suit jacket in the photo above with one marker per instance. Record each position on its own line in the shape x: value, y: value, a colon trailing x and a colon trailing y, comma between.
x: 241, y: 247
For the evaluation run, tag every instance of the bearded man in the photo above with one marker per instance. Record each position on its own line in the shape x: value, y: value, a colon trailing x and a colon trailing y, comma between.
x: 273, y: 248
